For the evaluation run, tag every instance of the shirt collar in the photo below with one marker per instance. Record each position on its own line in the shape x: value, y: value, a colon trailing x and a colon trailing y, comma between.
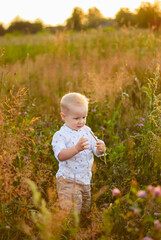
x: 70, y: 130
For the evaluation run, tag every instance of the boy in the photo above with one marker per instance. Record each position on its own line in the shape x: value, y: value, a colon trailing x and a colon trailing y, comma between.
x: 73, y: 146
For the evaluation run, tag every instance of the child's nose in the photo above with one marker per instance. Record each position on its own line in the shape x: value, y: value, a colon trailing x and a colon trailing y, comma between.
x: 81, y: 120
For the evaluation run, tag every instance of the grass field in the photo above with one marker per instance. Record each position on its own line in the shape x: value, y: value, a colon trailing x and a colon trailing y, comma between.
x: 119, y: 71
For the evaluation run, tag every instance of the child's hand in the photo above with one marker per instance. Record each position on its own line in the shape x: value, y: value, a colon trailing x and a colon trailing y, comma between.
x: 82, y: 144
x: 101, y: 148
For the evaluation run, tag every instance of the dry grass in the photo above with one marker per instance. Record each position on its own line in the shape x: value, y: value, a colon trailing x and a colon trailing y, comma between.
x: 111, y: 68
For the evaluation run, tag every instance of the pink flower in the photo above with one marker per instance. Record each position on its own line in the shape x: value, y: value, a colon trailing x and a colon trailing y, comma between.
x: 136, y: 211
x: 157, y: 224
x: 103, y: 128
x: 150, y: 188
x: 147, y: 238
x: 156, y: 214
x: 139, y: 124
x: 115, y: 192
x: 142, y: 194
x: 157, y: 191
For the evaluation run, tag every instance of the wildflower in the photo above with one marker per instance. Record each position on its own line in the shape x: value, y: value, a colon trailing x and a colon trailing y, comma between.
x: 102, y: 128
x: 92, y: 224
x: 142, y: 194
x: 139, y: 124
x: 150, y: 188
x: 156, y: 214
x: 157, y: 191
x: 89, y: 216
x: 147, y: 238
x: 136, y: 211
x: 157, y: 224
x: 105, y: 204
x: 93, y: 110
x: 115, y: 192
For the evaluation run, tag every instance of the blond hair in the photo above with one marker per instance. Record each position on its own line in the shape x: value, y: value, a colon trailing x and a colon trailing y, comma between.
x: 73, y: 99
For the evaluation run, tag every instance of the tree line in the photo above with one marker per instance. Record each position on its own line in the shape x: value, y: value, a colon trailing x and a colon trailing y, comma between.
x: 148, y: 15
x: 20, y: 26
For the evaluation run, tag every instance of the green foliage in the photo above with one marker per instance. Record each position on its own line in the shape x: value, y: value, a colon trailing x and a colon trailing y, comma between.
x: 2, y: 30
x: 118, y: 71
x: 81, y: 21
x: 147, y: 137
x: 94, y: 17
x: 21, y: 52
x: 125, y: 18
x: 25, y: 27
x: 133, y: 216
x: 148, y: 15
x: 75, y: 22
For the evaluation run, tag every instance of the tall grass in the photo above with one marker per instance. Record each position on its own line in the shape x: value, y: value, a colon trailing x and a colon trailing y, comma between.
x: 119, y: 72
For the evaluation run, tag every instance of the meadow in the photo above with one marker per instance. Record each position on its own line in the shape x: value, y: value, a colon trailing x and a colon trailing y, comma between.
x: 119, y: 71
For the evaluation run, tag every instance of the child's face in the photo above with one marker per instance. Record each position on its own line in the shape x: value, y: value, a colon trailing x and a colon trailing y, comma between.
x: 76, y: 117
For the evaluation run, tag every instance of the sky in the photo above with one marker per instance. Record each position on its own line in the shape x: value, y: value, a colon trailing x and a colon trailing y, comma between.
x: 55, y: 12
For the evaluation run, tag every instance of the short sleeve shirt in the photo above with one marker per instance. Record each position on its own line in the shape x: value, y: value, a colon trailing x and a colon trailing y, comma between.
x: 79, y: 167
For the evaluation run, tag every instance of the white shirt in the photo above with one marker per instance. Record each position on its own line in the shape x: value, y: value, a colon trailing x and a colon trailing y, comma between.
x: 79, y: 167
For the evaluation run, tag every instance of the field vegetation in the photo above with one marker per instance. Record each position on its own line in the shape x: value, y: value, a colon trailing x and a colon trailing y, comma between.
x: 119, y: 71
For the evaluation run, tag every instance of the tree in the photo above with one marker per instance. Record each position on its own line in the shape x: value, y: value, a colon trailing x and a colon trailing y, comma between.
x: 2, y: 30
x: 94, y: 17
x: 125, y: 18
x: 25, y: 26
x: 37, y: 26
x: 148, y: 15
x: 75, y: 22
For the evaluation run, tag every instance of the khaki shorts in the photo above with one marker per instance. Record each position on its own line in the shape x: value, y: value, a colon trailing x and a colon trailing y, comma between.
x: 73, y: 195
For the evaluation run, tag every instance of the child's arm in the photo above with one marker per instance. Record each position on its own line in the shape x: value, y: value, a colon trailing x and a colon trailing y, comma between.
x: 67, y: 153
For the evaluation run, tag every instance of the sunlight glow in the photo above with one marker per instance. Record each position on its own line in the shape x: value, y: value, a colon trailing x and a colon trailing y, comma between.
x: 55, y: 12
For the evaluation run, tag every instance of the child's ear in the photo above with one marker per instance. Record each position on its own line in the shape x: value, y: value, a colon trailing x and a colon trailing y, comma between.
x: 62, y: 116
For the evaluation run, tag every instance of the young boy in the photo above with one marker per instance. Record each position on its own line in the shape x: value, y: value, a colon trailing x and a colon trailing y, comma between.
x: 73, y: 146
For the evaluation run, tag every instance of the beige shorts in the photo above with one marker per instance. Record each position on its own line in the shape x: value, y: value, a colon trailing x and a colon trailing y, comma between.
x: 73, y: 195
